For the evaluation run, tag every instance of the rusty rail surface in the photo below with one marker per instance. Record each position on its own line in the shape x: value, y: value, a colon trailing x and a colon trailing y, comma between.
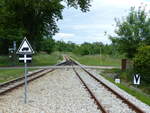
x: 102, y: 109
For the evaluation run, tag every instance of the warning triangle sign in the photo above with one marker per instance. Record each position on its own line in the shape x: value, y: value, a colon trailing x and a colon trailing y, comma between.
x: 25, y: 47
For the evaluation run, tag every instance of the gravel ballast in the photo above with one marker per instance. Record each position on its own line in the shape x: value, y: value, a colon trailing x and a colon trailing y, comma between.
x: 108, y: 100
x: 57, y: 92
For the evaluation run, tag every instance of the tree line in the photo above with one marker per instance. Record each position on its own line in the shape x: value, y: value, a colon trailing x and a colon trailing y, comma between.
x: 50, y: 45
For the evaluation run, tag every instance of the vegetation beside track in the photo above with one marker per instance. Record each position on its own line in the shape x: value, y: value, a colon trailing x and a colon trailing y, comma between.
x: 46, y: 59
x: 9, y: 74
x: 97, y: 60
x: 39, y: 59
x: 142, y: 93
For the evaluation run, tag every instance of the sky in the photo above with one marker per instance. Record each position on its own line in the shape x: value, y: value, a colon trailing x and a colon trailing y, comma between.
x: 91, y: 26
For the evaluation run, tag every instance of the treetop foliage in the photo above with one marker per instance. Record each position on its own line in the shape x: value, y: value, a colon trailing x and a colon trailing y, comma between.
x: 82, y: 4
x: 34, y: 19
x: 132, y: 31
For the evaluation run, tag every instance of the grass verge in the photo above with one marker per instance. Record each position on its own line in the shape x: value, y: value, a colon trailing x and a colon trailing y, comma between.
x: 97, y: 60
x: 141, y: 96
x: 9, y: 74
x: 46, y: 59
x: 39, y: 59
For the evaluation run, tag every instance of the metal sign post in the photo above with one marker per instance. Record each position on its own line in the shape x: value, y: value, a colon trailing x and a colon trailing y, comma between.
x: 25, y: 51
x: 25, y: 59
x: 14, y: 44
x: 25, y: 81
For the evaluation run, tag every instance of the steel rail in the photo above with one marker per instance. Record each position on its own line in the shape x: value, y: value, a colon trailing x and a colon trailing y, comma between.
x: 102, y: 109
x: 13, y: 85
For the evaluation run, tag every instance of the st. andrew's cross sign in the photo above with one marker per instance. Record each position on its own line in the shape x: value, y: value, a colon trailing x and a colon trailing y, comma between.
x: 25, y: 58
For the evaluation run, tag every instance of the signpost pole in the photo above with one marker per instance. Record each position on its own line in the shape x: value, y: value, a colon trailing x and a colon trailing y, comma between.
x: 25, y: 50
x: 136, y: 86
x: 25, y: 80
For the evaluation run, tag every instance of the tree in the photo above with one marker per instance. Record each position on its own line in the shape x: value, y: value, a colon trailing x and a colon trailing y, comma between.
x: 47, y: 44
x: 36, y: 18
x: 60, y: 46
x: 33, y: 18
x: 85, y: 49
x: 9, y: 30
x: 132, y: 31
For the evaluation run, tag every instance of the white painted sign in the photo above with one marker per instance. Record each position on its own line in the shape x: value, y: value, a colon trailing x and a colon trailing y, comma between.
x: 136, y: 79
x: 117, y: 80
x: 25, y: 47
x: 25, y: 58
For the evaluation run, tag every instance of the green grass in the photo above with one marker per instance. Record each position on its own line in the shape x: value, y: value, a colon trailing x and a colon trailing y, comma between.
x: 6, y: 61
x: 127, y: 78
x: 97, y: 60
x: 39, y: 59
x: 9, y: 74
x: 46, y: 59
x: 114, y: 70
x: 139, y: 95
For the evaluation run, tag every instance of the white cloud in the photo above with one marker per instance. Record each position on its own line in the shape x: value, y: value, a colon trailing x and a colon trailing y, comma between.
x: 80, y: 27
x: 64, y: 35
x: 91, y: 38
x: 96, y: 4
x: 91, y: 26
x: 98, y: 38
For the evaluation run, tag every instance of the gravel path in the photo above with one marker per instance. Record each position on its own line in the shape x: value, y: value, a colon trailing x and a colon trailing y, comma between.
x: 111, y: 103
x: 57, y: 92
x: 135, y: 101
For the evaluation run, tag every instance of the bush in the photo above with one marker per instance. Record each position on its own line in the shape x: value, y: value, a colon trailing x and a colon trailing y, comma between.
x: 47, y: 45
x: 142, y: 62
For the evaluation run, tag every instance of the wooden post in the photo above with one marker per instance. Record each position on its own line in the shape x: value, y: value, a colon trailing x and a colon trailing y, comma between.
x: 123, y: 64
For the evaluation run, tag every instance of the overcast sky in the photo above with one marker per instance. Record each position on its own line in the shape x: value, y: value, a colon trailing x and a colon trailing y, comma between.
x: 80, y: 27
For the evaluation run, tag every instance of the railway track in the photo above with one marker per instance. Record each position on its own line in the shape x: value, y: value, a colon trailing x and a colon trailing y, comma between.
x: 126, y: 106
x: 98, y: 90
x: 15, y: 83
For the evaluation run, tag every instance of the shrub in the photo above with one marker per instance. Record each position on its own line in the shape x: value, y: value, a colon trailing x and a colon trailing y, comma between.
x: 142, y: 62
